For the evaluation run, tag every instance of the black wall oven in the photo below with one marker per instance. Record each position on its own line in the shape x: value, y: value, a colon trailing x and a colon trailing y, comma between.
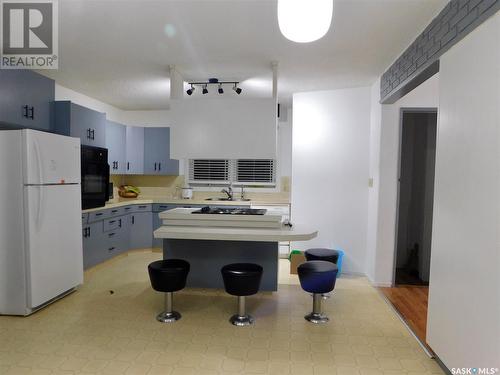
x: 95, y: 176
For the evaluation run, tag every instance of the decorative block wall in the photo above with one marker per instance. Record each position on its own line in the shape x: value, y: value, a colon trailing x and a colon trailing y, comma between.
x: 457, y: 19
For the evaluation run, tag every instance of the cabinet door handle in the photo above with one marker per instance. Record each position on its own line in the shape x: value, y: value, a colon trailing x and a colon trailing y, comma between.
x: 111, y: 248
x: 89, y: 231
x: 117, y: 165
x: 133, y: 219
x: 92, y: 134
x: 120, y: 223
x: 31, y: 113
x: 112, y: 221
x: 159, y: 166
x: 128, y: 166
x: 111, y: 234
x: 88, y: 133
x: 25, y: 111
x: 155, y: 166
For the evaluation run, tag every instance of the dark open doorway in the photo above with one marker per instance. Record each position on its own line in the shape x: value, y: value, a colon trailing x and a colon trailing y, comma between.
x: 416, y: 197
x: 409, y: 295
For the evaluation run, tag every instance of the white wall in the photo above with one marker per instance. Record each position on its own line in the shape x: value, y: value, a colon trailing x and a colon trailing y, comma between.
x: 383, y: 204
x: 221, y: 128
x: 331, y: 131
x: 285, y: 143
x: 373, y: 191
x: 464, y: 302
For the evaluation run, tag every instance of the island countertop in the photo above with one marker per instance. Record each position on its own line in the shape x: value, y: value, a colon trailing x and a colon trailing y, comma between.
x: 231, y: 227
x: 236, y: 234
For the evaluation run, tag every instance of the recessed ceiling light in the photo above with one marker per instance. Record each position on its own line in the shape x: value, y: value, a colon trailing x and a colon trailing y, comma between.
x: 304, y: 21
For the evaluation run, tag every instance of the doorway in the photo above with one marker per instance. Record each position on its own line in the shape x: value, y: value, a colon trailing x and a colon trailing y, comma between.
x: 409, y: 296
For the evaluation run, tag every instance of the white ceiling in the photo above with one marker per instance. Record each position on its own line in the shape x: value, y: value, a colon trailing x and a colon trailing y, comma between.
x: 119, y: 51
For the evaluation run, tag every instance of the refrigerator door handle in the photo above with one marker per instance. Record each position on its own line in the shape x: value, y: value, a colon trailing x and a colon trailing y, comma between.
x: 39, y: 209
x: 38, y: 155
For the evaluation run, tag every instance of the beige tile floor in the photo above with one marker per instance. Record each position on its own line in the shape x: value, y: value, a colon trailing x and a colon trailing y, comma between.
x: 95, y: 331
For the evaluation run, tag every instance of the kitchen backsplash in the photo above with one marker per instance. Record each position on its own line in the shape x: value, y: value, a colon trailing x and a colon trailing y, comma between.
x: 168, y: 186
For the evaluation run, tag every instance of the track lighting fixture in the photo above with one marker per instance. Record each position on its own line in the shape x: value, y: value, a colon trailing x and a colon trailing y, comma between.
x: 236, y: 89
x: 213, y: 81
x: 191, y: 90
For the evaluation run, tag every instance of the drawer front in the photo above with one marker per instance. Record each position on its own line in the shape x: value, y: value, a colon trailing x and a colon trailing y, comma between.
x: 127, y: 209
x: 113, y: 243
x: 98, y: 215
x: 85, y: 218
x: 142, y: 207
x: 113, y: 212
x: 113, y: 223
x: 160, y: 207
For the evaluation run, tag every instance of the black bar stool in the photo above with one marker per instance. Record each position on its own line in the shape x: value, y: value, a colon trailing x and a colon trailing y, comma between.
x: 317, y: 277
x: 168, y: 276
x: 241, y: 280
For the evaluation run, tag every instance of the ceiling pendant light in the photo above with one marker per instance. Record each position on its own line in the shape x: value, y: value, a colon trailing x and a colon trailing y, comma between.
x: 205, y: 90
x: 220, y: 89
x: 304, y: 21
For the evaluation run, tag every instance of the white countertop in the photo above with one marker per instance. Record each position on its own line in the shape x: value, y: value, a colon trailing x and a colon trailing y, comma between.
x: 237, y: 234
x: 177, y: 201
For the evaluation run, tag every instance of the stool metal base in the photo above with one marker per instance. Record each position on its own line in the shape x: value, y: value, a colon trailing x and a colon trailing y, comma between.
x: 168, y: 316
x: 242, y: 320
x: 316, y: 318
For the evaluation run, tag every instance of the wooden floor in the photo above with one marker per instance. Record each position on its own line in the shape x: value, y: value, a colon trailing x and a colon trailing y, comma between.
x: 411, y: 302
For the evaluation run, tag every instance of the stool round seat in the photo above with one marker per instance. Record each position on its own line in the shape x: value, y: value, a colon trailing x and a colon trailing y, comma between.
x: 242, y: 279
x: 168, y: 275
x: 317, y: 276
x: 328, y: 255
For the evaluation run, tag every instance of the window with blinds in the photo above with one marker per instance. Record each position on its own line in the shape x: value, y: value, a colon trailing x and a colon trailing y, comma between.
x: 209, y: 170
x: 255, y: 171
x: 252, y: 172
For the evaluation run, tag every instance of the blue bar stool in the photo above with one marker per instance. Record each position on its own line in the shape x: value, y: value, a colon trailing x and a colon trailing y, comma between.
x: 317, y: 277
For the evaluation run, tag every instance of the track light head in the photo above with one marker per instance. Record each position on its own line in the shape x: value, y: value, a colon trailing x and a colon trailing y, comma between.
x: 220, y: 90
x: 237, y: 89
x: 205, y: 90
x: 190, y: 91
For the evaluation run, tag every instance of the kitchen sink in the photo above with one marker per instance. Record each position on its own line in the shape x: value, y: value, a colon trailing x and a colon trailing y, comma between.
x: 229, y: 200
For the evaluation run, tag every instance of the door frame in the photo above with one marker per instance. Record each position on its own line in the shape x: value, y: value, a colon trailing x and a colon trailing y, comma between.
x: 402, y: 111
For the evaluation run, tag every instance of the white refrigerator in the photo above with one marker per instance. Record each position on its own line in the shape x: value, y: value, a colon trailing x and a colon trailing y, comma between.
x: 40, y: 219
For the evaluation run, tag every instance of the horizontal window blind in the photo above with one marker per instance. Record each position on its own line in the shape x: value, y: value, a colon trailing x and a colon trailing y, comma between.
x: 209, y: 170
x: 255, y: 170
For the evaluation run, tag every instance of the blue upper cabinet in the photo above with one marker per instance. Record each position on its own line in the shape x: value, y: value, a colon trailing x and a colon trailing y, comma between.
x: 116, y: 136
x: 134, y: 150
x: 157, y: 152
x: 76, y: 121
x: 26, y: 99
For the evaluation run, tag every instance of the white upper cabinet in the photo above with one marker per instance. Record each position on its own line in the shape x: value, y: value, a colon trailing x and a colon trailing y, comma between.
x: 227, y: 128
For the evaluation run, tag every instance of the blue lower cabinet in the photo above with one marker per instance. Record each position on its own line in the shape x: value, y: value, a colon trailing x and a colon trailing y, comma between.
x: 141, y: 229
x: 93, y: 244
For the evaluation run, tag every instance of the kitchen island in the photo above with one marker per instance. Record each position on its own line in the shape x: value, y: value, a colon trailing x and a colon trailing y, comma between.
x: 210, y: 240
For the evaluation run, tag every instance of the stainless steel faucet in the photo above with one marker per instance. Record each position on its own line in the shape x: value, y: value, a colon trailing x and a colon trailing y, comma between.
x: 229, y: 192
x: 242, y: 192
